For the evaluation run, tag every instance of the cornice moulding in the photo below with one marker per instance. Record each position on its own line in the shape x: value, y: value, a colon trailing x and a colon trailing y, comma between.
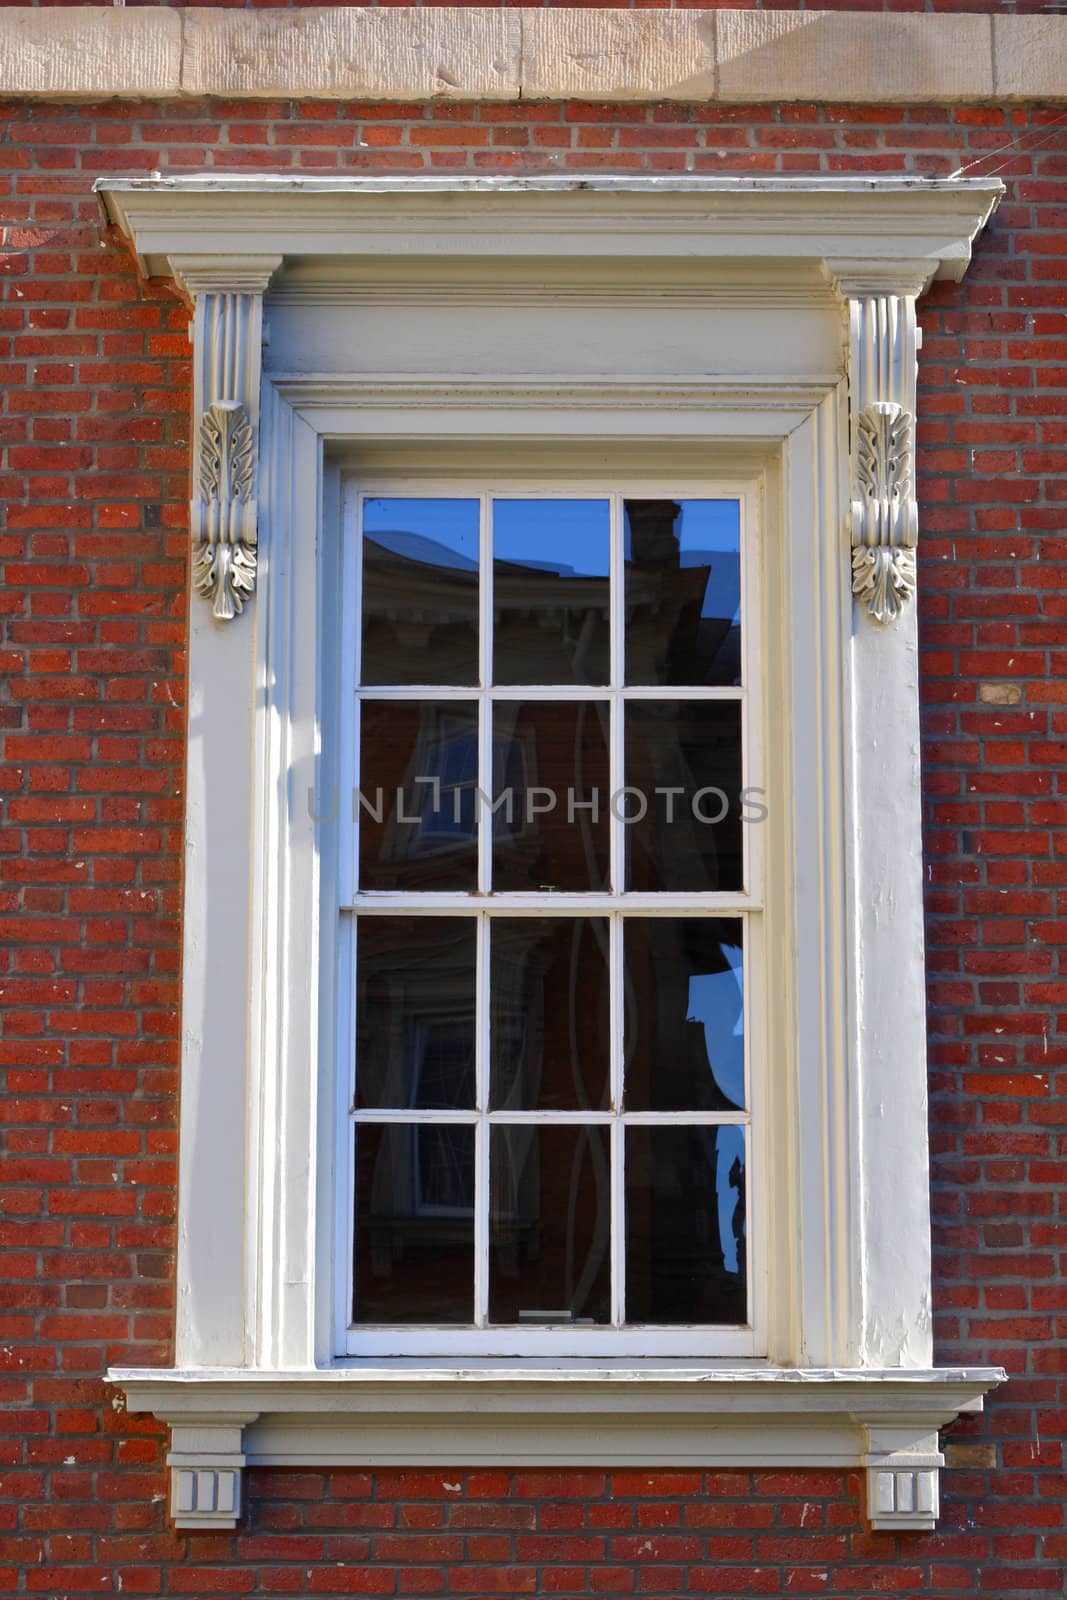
x: 689, y: 1390
x: 415, y: 54
x: 884, y: 1421
x: 925, y: 227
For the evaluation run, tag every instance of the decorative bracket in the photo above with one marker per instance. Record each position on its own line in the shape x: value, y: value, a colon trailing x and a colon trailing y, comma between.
x: 206, y: 1464
x: 227, y: 352
x: 882, y: 344
x: 884, y: 513
x: 903, y: 1477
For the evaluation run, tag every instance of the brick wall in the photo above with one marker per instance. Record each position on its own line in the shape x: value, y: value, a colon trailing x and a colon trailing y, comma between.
x: 94, y: 432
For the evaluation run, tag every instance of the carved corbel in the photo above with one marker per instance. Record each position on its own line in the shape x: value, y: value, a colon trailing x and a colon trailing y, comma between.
x: 883, y: 509
x: 227, y: 357
x: 883, y: 515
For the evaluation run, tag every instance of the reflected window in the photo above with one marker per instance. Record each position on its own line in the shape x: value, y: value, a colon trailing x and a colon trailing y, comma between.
x: 419, y: 583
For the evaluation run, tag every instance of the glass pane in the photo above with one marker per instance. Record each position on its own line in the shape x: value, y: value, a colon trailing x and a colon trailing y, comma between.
x: 550, y: 787
x: 417, y: 800
x: 420, y: 591
x: 414, y: 1249
x: 685, y: 1225
x: 683, y: 760
x: 415, y: 1013
x: 684, y: 1027
x: 550, y: 591
x: 549, y: 1225
x: 683, y: 591
x: 548, y: 1014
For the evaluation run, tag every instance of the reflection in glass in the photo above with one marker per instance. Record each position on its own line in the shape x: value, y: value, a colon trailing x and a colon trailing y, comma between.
x: 420, y: 591
x: 683, y: 592
x: 549, y: 1225
x: 414, y: 1243
x: 690, y: 840
x: 685, y: 1225
x: 550, y: 591
x: 415, y: 1013
x: 418, y: 782
x: 548, y: 1021
x: 550, y: 786
x: 684, y: 1024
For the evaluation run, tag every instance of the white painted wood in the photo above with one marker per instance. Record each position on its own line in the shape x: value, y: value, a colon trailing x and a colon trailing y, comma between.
x: 793, y: 219
x: 841, y: 1140
x: 884, y: 807
x: 219, y: 1147
x: 488, y: 1413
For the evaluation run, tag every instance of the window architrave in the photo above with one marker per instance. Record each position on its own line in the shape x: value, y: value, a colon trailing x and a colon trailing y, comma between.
x: 849, y: 1361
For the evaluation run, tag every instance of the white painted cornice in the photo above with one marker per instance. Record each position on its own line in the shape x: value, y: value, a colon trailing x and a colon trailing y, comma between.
x: 916, y: 228
x: 465, y: 53
x: 884, y: 1421
x: 683, y: 1389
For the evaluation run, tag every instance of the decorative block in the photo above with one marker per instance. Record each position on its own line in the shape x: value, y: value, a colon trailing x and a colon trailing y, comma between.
x: 205, y: 1497
x: 903, y: 1498
x: 206, y: 1465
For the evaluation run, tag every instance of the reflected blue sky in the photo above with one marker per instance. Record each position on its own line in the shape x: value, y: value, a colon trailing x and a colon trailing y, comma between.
x: 716, y: 1000
x: 564, y: 536
x: 441, y: 533
x: 730, y: 1147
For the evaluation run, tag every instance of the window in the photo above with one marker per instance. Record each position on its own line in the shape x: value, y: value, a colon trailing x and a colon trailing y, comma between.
x: 548, y: 922
x: 617, y: 347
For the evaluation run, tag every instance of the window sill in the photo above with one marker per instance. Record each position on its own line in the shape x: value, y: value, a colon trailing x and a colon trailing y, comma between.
x: 635, y: 1415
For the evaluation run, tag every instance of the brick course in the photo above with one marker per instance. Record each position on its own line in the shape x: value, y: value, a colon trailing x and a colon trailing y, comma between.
x: 94, y: 431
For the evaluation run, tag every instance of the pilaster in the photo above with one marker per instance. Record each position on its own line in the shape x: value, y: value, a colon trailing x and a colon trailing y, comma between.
x: 215, y: 1203
x: 886, y: 989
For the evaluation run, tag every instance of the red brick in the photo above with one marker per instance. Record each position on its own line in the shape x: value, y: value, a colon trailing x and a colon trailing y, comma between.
x: 96, y: 373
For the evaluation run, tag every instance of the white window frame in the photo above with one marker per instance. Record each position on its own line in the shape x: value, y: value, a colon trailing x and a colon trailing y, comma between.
x: 748, y: 1341
x: 847, y: 1380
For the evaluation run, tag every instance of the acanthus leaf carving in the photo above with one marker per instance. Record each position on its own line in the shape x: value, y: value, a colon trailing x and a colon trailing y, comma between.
x: 885, y: 578
x: 224, y: 533
x: 884, y: 513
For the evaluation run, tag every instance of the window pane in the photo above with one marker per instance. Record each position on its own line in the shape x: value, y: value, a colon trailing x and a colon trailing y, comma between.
x: 550, y: 1225
x: 420, y: 591
x: 548, y: 1013
x: 414, y: 1250
x: 550, y: 591
x: 550, y: 782
x: 684, y: 1029
x: 685, y: 1225
x: 418, y: 823
x: 688, y: 840
x: 415, y: 1013
x: 683, y: 592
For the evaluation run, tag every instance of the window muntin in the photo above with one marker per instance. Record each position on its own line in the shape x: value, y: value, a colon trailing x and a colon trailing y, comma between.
x: 591, y: 1048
